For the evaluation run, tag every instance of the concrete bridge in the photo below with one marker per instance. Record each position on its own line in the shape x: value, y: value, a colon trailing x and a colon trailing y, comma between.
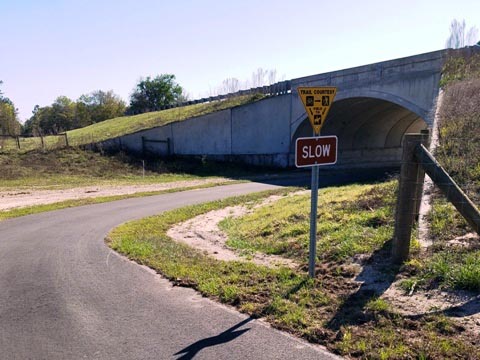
x: 374, y: 107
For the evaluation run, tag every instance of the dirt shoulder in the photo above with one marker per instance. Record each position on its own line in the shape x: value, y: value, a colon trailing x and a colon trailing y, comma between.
x: 18, y: 199
x: 203, y: 233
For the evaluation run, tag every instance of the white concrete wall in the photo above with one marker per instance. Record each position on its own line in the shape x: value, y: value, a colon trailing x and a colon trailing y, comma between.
x: 262, y: 127
x: 205, y: 135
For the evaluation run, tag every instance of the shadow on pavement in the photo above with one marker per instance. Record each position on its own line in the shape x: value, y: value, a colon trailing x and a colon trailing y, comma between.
x: 228, y: 335
x: 328, y: 177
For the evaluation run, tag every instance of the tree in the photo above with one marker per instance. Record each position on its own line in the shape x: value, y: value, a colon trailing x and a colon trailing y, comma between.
x: 153, y: 94
x: 9, y: 124
x: 229, y: 85
x: 98, y: 106
x: 260, y: 77
x: 459, y: 37
x: 65, y: 114
x: 49, y: 120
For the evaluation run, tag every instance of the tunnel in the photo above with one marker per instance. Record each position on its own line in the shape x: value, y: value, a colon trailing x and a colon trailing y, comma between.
x: 369, y: 131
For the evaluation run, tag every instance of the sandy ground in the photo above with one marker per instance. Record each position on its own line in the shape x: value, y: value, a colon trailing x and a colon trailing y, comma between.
x: 202, y: 232
x: 18, y: 199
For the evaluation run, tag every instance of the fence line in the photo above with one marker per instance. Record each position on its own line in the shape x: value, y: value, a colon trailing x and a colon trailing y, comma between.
x: 22, y: 142
x: 416, y: 161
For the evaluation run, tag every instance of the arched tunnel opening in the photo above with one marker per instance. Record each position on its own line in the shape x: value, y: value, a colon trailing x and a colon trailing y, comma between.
x: 369, y: 131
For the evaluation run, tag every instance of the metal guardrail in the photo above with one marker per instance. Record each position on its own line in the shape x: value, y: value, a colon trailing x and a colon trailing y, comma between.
x: 280, y: 88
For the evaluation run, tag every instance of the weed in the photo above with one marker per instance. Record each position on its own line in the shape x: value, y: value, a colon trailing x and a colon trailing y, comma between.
x: 378, y: 305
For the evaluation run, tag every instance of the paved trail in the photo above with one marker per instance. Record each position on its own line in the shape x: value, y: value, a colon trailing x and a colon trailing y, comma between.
x: 65, y: 295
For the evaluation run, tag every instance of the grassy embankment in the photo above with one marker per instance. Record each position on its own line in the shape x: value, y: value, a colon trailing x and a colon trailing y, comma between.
x: 355, y: 228
x: 454, y: 259
x: 128, y: 124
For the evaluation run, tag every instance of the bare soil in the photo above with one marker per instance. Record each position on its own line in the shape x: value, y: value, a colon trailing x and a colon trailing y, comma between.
x: 202, y: 232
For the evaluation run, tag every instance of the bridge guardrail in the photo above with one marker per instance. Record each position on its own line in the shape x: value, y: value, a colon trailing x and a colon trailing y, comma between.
x: 279, y: 88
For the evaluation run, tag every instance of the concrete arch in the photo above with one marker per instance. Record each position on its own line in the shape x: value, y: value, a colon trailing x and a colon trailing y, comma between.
x: 370, y: 129
x: 373, y: 94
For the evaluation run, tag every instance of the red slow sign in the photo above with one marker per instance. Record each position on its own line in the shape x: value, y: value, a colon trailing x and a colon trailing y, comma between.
x: 321, y: 150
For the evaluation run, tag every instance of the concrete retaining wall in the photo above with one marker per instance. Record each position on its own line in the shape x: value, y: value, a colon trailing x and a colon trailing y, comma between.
x: 257, y: 133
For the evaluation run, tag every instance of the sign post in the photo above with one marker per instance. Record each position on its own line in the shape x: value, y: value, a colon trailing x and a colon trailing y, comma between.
x: 315, y: 152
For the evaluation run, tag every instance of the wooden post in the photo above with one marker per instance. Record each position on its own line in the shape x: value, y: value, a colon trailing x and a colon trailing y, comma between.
x: 18, y: 142
x: 410, y: 180
x: 66, y: 139
x: 421, y: 176
x: 448, y: 186
x: 43, y: 144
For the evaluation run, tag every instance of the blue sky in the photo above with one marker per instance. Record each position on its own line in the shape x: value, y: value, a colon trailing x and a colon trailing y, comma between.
x: 58, y: 47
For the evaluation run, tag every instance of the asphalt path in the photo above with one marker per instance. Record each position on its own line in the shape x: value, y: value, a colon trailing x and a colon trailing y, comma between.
x: 65, y: 295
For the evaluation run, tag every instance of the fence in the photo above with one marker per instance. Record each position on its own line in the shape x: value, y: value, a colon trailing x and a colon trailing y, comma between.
x: 416, y: 161
x: 280, y: 88
x: 25, y: 143
x: 145, y: 142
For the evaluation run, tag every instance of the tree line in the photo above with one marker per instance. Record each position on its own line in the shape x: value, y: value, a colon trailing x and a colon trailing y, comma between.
x: 149, y: 94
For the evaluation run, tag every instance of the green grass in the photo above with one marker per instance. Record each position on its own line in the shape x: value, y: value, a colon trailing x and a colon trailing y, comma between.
x: 448, y: 269
x: 324, y: 310
x: 445, y: 221
x: 352, y: 220
x: 65, y: 168
x: 73, y: 167
x: 112, y: 128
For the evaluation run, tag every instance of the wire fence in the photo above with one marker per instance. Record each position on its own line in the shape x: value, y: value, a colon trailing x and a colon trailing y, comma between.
x: 26, y: 143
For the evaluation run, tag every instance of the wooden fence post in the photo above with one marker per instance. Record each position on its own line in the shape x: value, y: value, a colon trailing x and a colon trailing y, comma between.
x: 18, y: 142
x: 411, y: 178
x: 66, y: 139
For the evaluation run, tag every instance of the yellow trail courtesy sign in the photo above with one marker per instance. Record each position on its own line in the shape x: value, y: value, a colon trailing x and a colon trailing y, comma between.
x: 317, y: 102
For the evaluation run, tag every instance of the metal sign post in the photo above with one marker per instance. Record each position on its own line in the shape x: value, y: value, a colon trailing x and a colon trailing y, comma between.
x: 313, y: 223
x: 315, y: 151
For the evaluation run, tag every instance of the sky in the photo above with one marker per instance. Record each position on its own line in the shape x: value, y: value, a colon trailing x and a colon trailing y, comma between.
x: 58, y: 47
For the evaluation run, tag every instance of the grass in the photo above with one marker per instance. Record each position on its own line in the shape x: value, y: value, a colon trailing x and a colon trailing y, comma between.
x: 455, y: 265
x: 449, y: 265
x: 459, y: 68
x: 344, y: 229
x: 65, y: 168
x: 73, y: 167
x: 129, y: 124
x: 459, y: 123
x: 330, y: 309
